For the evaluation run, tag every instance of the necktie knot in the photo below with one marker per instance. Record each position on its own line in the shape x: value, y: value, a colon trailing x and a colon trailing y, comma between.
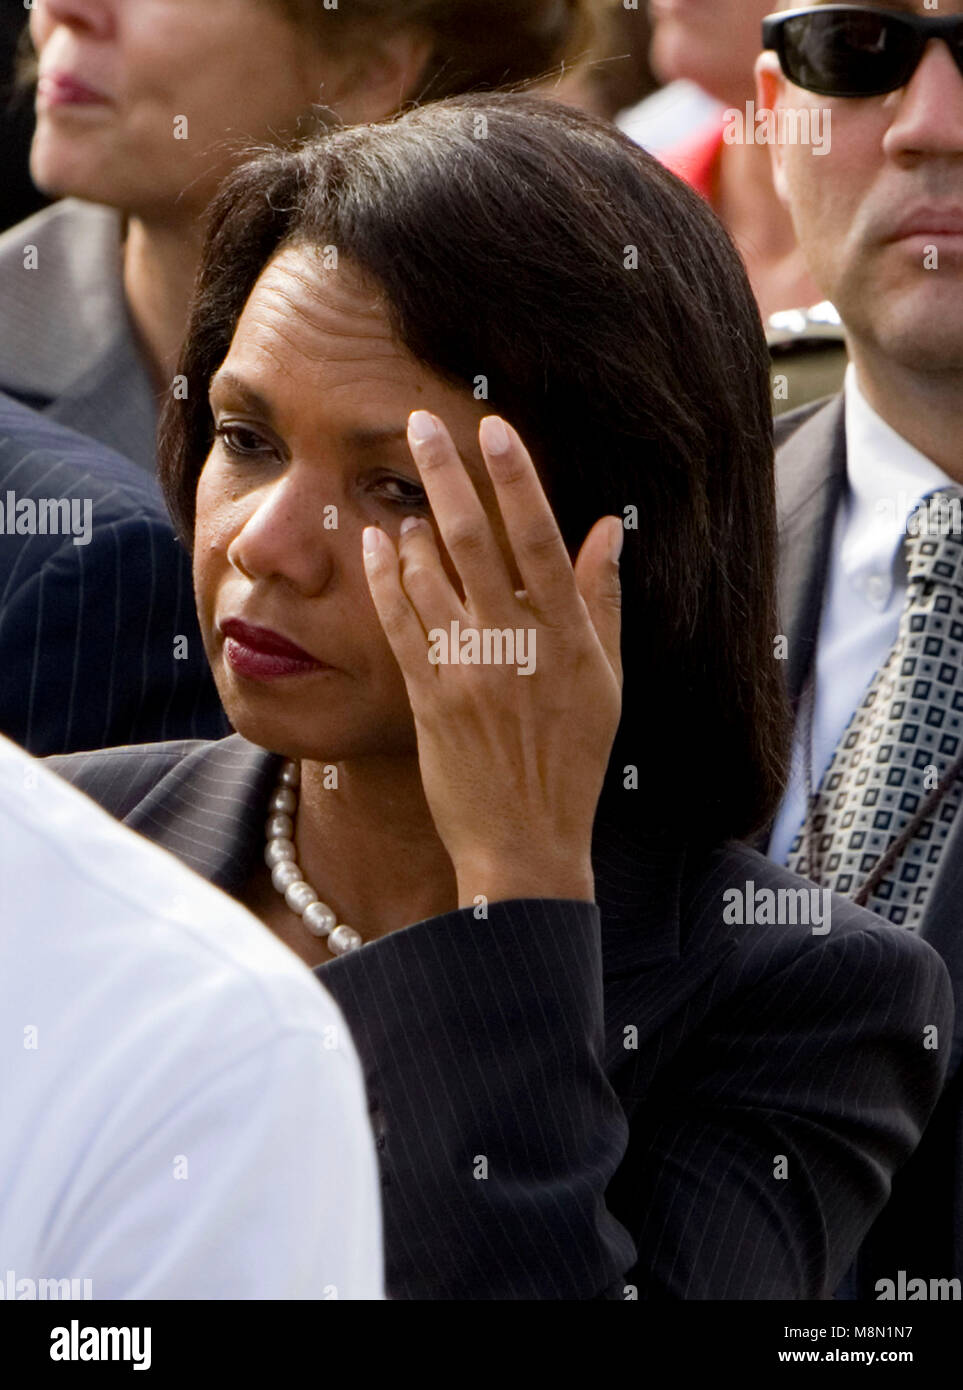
x: 934, y: 540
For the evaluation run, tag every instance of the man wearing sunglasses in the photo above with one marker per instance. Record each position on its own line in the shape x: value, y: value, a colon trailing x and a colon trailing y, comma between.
x: 871, y: 574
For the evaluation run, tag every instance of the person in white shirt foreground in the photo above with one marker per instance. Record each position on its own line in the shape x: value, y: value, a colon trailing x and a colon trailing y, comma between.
x: 182, y: 1111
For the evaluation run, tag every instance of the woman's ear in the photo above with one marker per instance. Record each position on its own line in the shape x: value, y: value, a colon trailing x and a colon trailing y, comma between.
x: 380, y: 75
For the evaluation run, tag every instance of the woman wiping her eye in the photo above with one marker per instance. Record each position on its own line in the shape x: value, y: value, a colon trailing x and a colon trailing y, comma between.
x: 588, y: 1077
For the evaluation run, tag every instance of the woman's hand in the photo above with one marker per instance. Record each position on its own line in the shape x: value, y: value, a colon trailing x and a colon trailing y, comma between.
x: 512, y: 756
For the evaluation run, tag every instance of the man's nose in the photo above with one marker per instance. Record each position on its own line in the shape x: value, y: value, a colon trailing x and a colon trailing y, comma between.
x: 928, y: 111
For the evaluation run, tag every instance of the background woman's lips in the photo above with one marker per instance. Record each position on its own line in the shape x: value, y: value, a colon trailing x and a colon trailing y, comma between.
x: 62, y: 89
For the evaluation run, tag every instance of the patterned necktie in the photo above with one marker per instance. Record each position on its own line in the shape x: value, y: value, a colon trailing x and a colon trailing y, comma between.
x: 903, y: 739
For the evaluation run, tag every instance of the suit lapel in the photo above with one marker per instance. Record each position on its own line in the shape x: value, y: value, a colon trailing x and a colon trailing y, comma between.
x: 210, y: 808
x: 810, y: 479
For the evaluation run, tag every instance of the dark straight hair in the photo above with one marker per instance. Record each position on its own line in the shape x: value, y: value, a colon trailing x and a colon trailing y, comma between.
x: 522, y: 241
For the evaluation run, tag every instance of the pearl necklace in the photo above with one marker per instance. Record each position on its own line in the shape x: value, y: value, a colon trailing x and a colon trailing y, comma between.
x: 279, y: 855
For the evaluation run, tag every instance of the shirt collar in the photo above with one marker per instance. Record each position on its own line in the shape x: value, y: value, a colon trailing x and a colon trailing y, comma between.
x: 887, y: 477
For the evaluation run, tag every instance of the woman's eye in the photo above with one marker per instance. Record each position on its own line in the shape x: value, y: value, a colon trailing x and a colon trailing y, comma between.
x: 241, y: 441
x: 403, y: 492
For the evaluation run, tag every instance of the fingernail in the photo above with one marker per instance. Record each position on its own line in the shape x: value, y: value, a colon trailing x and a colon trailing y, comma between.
x: 494, y: 435
x: 618, y: 537
x: 409, y: 524
x: 421, y: 426
x: 371, y: 539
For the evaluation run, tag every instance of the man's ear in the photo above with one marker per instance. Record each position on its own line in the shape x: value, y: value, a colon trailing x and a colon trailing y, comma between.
x: 378, y: 79
x: 770, y: 92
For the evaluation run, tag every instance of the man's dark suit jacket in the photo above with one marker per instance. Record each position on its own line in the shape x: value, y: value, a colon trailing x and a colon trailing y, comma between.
x: 87, y: 632
x: 921, y: 1230
x: 575, y: 1100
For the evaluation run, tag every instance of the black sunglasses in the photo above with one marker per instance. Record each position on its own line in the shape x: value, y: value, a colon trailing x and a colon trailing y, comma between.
x: 853, y: 51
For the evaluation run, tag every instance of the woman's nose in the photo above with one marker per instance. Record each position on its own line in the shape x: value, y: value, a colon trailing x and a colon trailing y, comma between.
x: 290, y: 534
x: 95, y: 17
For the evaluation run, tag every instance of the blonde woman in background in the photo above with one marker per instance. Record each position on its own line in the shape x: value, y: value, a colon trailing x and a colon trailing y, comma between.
x: 144, y: 106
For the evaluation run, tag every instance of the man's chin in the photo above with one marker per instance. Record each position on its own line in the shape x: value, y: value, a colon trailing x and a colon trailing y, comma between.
x: 918, y: 327
x: 929, y: 349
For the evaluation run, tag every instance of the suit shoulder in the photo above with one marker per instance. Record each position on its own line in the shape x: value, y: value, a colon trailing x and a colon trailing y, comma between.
x: 120, y: 778
x: 780, y: 917
x: 40, y: 455
x: 55, y: 232
x: 71, y: 285
x: 785, y: 426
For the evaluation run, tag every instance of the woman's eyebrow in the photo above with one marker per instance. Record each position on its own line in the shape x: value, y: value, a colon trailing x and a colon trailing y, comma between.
x: 371, y: 438
x: 364, y: 437
x: 225, y: 380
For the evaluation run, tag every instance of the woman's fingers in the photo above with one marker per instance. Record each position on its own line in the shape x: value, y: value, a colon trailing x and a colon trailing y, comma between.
x: 599, y: 583
x: 411, y: 591
x: 530, y: 524
x: 459, y: 514
x: 423, y: 577
x: 554, y: 591
x: 401, y: 623
x: 512, y: 769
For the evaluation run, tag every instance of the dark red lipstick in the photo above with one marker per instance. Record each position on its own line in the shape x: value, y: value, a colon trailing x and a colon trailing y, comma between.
x: 260, y: 654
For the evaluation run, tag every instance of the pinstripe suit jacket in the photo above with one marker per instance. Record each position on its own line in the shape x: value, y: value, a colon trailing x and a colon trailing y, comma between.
x: 87, y: 632
x: 921, y: 1230
x: 635, y: 1074
x: 67, y: 347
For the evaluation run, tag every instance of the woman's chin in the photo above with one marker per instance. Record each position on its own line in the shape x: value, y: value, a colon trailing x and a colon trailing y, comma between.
x: 327, y: 746
x: 280, y: 736
x: 65, y: 167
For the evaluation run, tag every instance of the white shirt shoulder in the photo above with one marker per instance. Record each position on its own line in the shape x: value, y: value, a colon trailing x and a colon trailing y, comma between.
x: 182, y: 1111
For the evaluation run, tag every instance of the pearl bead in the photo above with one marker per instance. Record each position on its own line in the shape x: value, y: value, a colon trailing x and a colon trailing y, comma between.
x: 343, y: 939
x: 280, y: 854
x: 283, y: 800
x: 319, y: 919
x: 275, y: 851
x: 279, y: 827
x: 284, y: 874
x: 299, y: 895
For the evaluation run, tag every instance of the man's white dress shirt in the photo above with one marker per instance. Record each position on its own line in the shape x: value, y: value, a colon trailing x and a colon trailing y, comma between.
x: 865, y: 588
x: 182, y: 1111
